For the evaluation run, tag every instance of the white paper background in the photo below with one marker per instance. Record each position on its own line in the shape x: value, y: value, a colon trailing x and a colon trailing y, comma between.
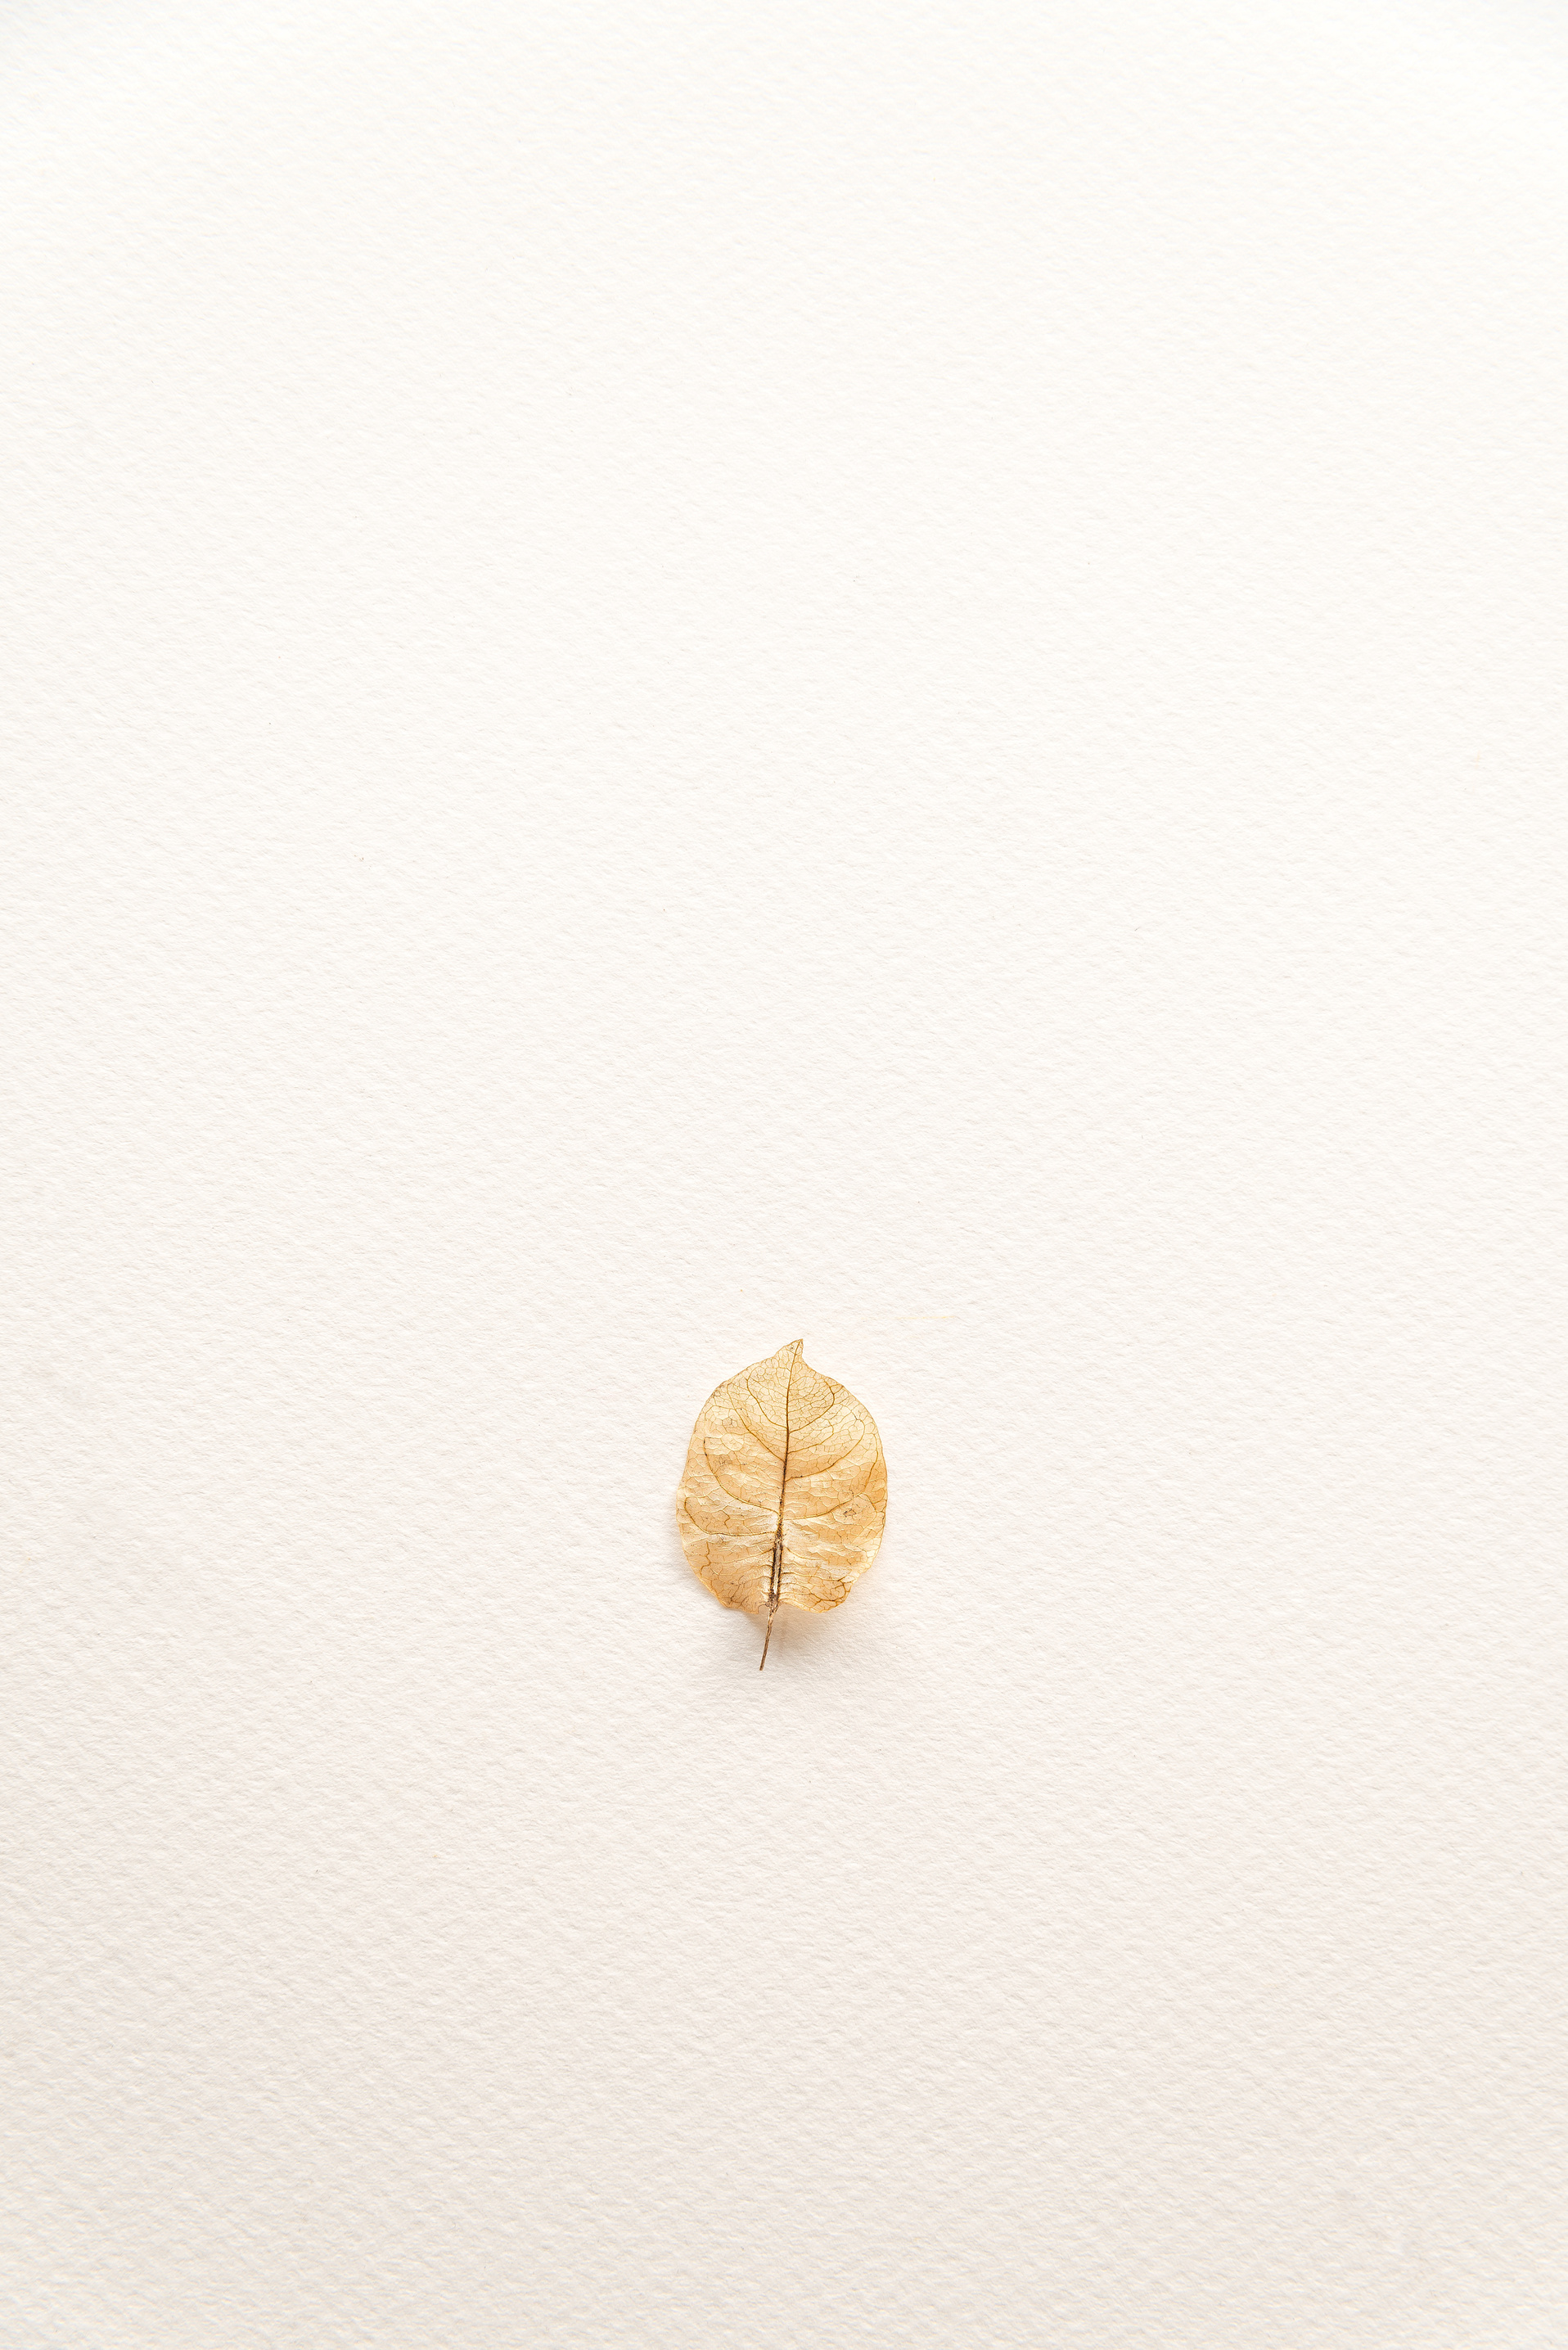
x: 683, y: 676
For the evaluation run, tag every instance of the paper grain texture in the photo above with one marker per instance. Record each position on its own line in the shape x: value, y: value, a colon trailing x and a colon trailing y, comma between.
x: 683, y: 675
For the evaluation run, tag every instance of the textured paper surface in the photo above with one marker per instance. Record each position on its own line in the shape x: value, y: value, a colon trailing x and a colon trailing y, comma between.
x: 680, y: 676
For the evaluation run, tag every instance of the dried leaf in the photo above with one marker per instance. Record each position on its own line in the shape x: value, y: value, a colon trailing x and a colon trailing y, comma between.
x: 785, y: 1491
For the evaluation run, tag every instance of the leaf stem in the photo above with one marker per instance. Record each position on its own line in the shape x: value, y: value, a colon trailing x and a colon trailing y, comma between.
x: 775, y: 1583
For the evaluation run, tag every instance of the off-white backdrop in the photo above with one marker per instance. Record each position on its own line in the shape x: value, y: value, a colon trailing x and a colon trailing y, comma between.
x: 684, y: 676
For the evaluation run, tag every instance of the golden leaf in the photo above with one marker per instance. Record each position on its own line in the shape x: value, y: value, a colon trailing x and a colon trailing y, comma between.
x: 785, y: 1491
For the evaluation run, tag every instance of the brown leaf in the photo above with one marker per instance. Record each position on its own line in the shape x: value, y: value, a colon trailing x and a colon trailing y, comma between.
x: 785, y: 1491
